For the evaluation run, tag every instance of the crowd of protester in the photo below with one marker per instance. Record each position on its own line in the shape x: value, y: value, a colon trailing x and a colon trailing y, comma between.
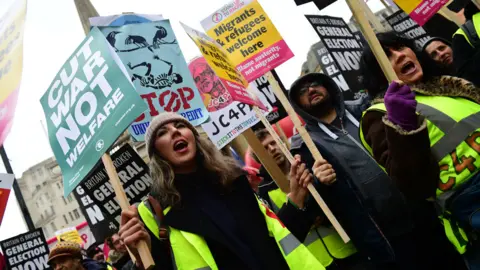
x: 399, y: 172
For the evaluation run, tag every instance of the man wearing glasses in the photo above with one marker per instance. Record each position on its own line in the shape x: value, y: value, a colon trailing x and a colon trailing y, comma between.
x: 363, y: 198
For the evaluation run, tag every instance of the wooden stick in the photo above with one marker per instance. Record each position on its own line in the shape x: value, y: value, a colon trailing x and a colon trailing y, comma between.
x: 267, y: 160
x: 372, y: 18
x: 372, y: 40
x: 142, y: 246
x: 282, y: 134
x: 240, y: 146
x: 85, y: 11
x: 310, y: 145
x: 477, y: 3
x: 390, y: 8
x: 450, y: 15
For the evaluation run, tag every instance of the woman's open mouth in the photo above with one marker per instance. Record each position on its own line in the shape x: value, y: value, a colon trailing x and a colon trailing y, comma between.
x: 408, y: 68
x: 180, y: 146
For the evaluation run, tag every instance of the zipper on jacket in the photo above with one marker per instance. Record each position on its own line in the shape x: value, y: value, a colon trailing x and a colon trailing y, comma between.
x: 392, y: 251
x: 343, y: 128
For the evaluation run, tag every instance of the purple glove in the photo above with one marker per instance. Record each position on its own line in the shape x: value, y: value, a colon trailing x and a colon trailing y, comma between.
x: 401, y: 106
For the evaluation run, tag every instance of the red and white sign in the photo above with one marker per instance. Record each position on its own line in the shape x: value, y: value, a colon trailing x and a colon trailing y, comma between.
x: 6, y: 182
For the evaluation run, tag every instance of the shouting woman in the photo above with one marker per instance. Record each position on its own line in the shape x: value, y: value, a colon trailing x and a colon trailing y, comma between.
x: 423, y: 132
x: 204, y: 215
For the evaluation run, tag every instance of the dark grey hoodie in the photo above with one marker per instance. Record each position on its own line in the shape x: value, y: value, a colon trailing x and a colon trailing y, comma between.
x: 371, y: 184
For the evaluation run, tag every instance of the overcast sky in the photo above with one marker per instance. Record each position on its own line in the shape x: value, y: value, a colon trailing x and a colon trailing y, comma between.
x: 53, y: 31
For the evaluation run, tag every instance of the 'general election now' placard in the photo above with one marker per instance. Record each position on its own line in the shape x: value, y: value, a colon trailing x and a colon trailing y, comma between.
x: 89, y: 104
x: 96, y: 197
x: 28, y: 251
x: 251, y: 40
x: 342, y: 46
x: 404, y: 25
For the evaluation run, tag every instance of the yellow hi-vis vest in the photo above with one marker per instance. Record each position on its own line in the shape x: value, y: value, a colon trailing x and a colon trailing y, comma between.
x: 476, y: 24
x: 453, y: 125
x: 190, y: 251
x: 318, y: 238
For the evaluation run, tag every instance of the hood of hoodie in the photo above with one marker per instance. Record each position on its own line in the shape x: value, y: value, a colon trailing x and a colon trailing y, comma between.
x: 90, y: 264
x: 325, y: 81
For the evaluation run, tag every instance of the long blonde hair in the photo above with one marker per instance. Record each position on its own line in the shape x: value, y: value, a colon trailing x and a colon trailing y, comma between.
x: 163, y: 176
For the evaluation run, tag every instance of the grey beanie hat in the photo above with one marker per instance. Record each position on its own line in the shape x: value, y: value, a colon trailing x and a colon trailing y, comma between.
x: 160, y: 120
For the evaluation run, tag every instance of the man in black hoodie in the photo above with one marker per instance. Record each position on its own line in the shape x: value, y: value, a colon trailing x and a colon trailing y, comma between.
x: 363, y: 198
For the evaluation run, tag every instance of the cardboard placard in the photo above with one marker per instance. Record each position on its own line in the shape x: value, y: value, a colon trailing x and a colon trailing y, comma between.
x: 124, y: 19
x: 266, y: 94
x: 321, y: 4
x: 96, y: 197
x: 330, y: 68
x: 69, y: 234
x: 404, y: 25
x: 421, y: 10
x: 216, y: 97
x: 11, y: 64
x: 249, y: 37
x: 26, y: 251
x: 6, y: 182
x: 156, y: 65
x: 218, y: 60
x: 89, y: 104
x: 342, y: 47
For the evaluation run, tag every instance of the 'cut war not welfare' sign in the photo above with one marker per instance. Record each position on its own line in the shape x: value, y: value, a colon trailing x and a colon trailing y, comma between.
x: 28, y: 251
x: 96, y: 196
x: 157, y: 68
x: 88, y: 105
x: 251, y: 40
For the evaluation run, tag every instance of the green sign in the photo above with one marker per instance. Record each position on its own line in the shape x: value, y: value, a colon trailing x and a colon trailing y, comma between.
x: 88, y: 105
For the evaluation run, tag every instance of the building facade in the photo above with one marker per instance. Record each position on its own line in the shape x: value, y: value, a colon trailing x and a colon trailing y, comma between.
x: 42, y: 189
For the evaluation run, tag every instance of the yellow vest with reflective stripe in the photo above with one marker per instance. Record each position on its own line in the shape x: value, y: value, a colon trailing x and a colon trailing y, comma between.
x: 476, y: 24
x: 453, y: 125
x: 453, y: 128
x: 190, y: 251
x: 329, y: 237
x: 278, y: 198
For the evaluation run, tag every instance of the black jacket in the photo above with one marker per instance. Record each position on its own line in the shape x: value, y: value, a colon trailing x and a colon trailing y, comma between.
x: 231, y: 223
x: 363, y: 199
x: 90, y: 264
x: 466, y: 59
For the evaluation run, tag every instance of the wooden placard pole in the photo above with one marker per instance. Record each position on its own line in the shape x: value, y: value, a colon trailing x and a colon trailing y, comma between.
x: 282, y: 134
x: 372, y: 18
x: 86, y: 10
x: 387, y: 6
x: 477, y: 3
x: 267, y: 160
x: 367, y: 31
x: 310, y: 145
x: 142, y: 246
x: 450, y: 15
